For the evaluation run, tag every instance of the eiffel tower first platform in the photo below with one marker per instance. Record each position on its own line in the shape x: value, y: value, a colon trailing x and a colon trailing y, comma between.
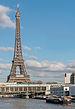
x: 18, y: 61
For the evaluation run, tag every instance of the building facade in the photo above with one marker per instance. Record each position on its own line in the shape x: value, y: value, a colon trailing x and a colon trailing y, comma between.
x: 59, y: 91
x: 70, y: 78
x: 73, y: 78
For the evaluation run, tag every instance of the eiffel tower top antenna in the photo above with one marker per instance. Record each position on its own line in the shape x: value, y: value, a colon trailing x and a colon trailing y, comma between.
x: 18, y: 7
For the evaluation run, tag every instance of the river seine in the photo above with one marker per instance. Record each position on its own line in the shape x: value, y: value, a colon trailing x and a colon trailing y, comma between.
x: 31, y: 104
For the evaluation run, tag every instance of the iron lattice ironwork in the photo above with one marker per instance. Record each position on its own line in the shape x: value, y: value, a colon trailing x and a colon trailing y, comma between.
x: 18, y: 58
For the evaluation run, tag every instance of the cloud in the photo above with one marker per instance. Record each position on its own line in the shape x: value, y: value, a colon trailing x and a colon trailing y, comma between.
x: 5, y: 66
x: 71, y: 61
x: 32, y: 57
x: 6, y: 49
x: 38, y: 47
x: 70, y: 67
x: 45, y: 66
x: 1, y: 59
x: 1, y: 71
x: 45, y: 70
x: 54, y: 71
x: 5, y: 20
x: 56, y: 67
x: 4, y: 60
x: 27, y: 48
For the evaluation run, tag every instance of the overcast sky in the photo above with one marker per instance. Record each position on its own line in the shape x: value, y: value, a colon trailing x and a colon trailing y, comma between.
x: 48, y: 37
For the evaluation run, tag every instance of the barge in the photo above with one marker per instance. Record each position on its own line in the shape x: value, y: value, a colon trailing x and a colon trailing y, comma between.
x: 58, y: 100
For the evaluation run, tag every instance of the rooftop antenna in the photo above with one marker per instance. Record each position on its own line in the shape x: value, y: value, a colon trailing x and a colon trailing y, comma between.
x: 17, y: 7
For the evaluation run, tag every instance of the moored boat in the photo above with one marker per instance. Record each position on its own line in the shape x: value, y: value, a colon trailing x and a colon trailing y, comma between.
x: 58, y: 100
x: 40, y: 97
x: 54, y: 100
x: 73, y: 99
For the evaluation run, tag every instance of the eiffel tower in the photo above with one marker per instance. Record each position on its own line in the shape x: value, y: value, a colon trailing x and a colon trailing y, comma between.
x: 18, y: 61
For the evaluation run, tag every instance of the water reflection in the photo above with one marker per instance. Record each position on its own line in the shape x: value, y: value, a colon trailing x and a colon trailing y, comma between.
x: 31, y: 104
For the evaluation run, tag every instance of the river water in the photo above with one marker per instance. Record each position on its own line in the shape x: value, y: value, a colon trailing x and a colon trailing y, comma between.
x: 8, y: 103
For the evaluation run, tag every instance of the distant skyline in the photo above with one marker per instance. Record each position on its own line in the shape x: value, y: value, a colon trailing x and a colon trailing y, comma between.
x: 48, y: 37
